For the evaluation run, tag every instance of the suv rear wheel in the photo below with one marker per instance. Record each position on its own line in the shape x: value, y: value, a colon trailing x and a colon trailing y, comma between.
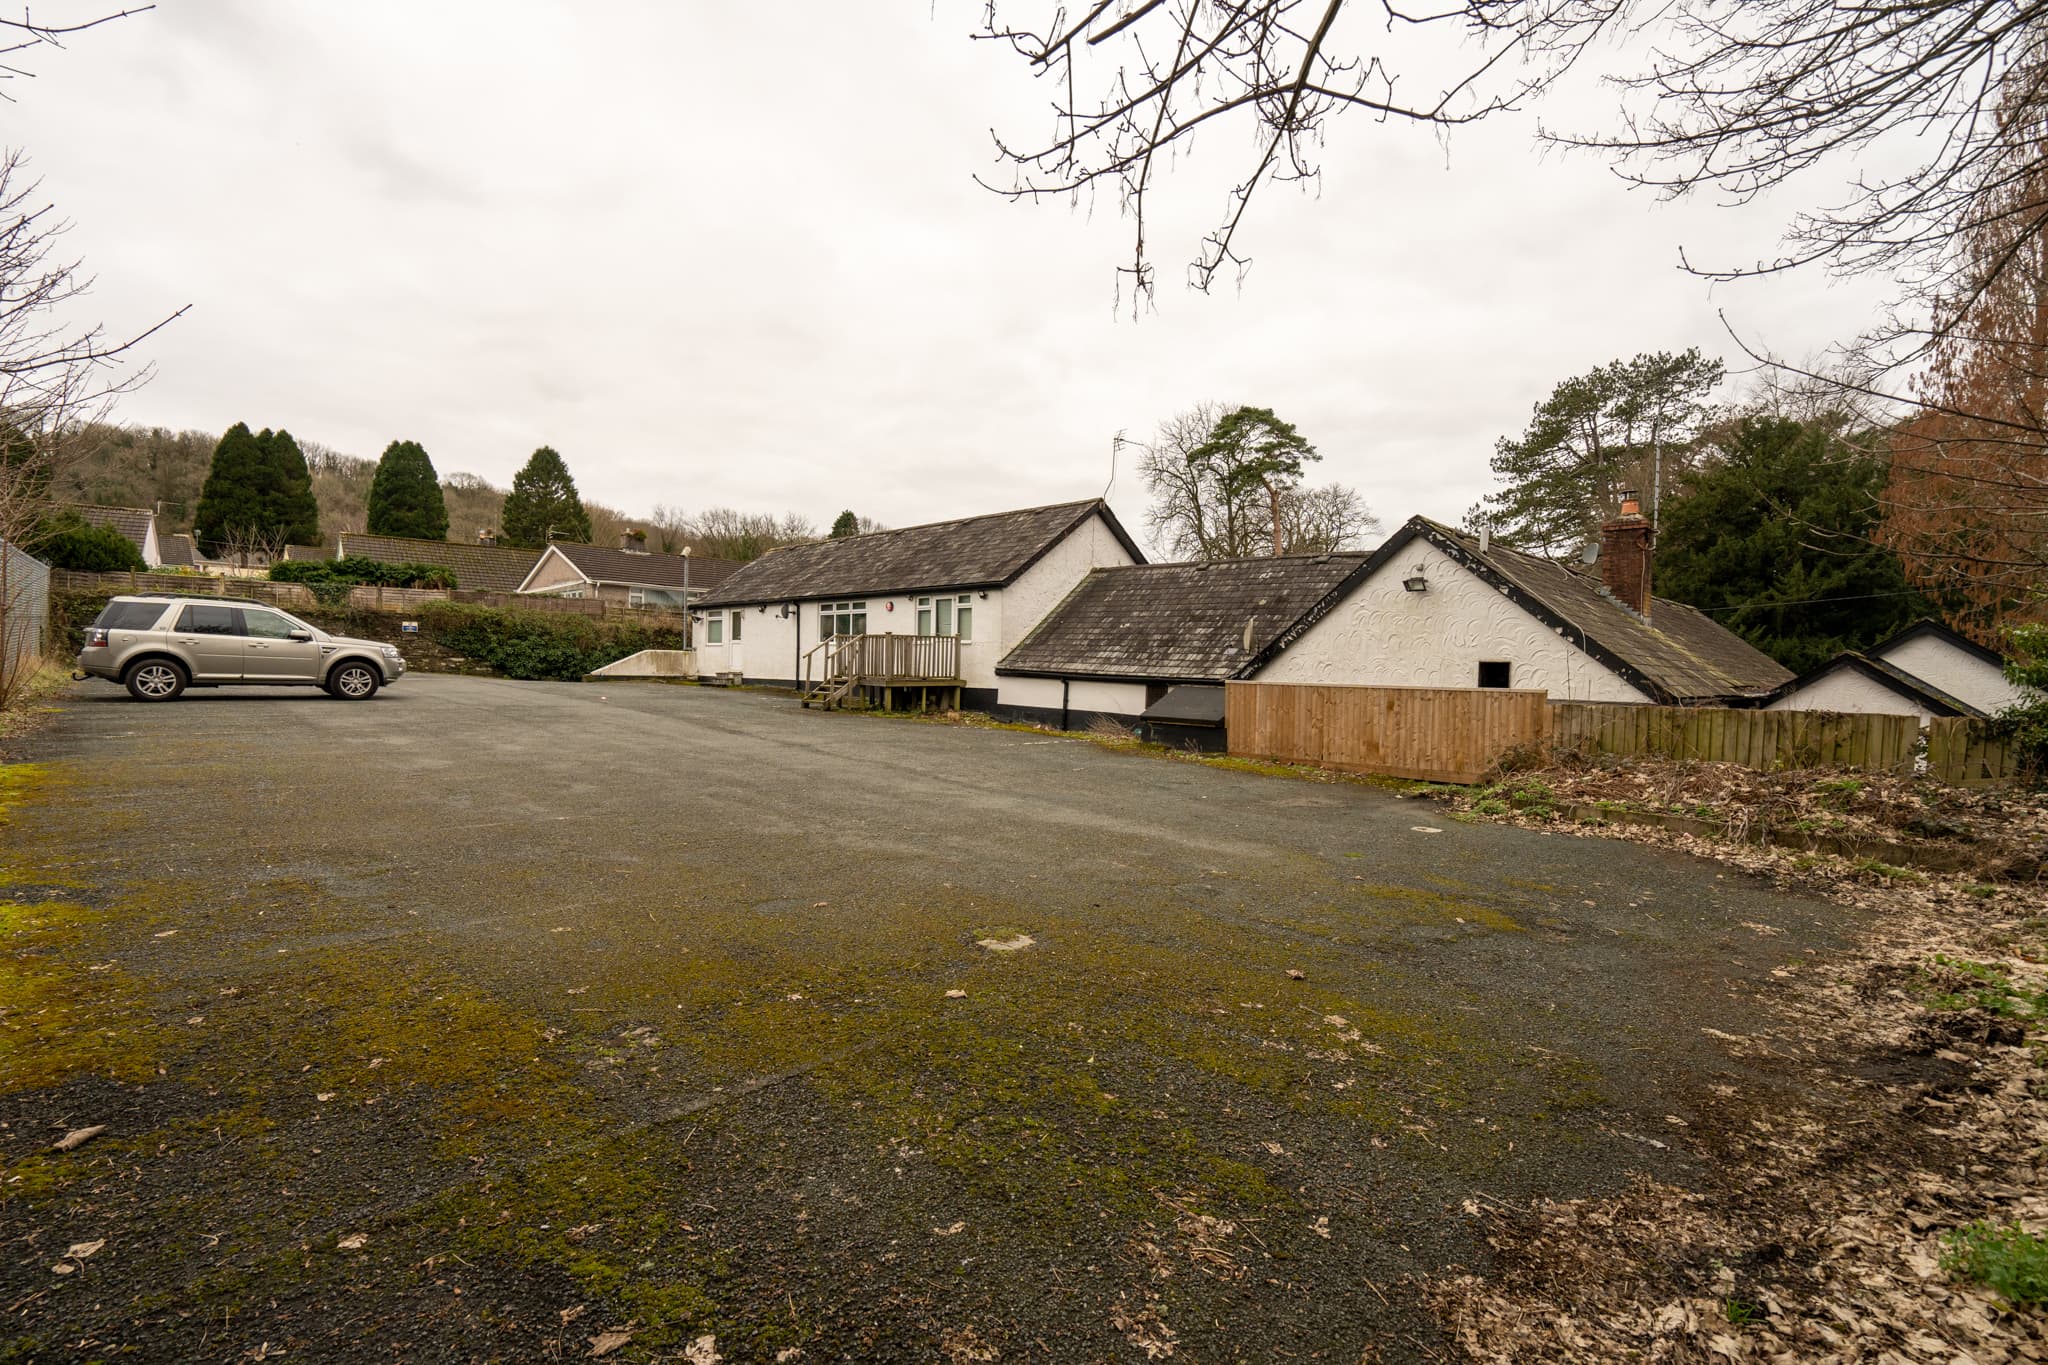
x: 354, y: 681
x: 155, y: 680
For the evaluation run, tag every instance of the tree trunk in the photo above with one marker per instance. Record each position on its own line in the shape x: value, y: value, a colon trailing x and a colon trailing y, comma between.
x: 1273, y: 493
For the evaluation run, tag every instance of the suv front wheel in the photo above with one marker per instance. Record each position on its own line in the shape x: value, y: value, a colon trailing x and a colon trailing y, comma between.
x: 354, y: 681
x: 155, y: 680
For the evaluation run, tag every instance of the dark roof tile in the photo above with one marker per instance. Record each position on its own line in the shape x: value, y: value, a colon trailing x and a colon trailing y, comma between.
x: 485, y: 568
x: 974, y: 552
x: 1176, y: 622
x: 644, y: 568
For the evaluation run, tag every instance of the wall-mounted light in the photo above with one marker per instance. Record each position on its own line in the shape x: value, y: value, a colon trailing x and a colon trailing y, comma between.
x: 1415, y: 583
x: 984, y: 595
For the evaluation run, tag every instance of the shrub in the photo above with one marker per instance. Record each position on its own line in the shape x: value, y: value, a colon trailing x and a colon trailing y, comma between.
x: 358, y: 570
x: 538, y: 644
x: 66, y: 541
x: 2026, y: 721
x: 2010, y: 1262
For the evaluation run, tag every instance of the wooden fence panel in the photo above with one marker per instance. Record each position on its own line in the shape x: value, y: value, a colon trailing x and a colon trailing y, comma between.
x: 1964, y: 752
x: 1439, y: 734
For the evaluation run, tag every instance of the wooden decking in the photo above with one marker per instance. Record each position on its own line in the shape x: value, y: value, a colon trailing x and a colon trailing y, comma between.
x: 870, y: 670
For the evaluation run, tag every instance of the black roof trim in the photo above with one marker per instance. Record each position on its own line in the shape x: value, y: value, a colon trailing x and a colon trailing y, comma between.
x: 1889, y: 676
x: 1927, y: 625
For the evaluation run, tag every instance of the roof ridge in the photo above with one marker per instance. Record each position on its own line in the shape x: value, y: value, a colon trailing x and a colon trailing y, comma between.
x: 949, y: 521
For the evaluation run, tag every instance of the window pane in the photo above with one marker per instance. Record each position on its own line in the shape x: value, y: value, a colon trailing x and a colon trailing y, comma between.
x: 714, y: 631
x: 129, y: 615
x: 966, y: 622
x: 924, y: 618
x: 266, y: 625
x: 944, y: 623
x: 858, y: 623
x: 736, y: 618
x: 199, y: 620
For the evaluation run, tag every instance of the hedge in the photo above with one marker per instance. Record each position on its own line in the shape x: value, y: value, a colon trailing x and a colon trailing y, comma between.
x: 538, y: 644
x: 357, y: 569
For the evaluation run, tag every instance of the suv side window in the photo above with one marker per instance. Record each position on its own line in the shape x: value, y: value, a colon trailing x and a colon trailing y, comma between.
x: 198, y: 620
x: 266, y: 625
x: 129, y: 615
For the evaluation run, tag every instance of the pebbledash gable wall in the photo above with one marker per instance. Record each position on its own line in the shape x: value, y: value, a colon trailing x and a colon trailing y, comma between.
x: 1852, y: 692
x: 1957, y: 672
x: 1382, y: 635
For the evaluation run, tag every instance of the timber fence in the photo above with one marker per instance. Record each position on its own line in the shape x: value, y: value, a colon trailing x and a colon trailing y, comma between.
x: 1458, y: 734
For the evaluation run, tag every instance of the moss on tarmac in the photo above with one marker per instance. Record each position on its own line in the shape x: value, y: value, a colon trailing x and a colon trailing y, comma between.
x: 485, y: 1018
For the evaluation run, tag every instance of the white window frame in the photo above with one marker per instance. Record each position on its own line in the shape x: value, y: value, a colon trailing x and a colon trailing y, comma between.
x: 714, y: 628
x: 944, y: 613
x: 855, y: 614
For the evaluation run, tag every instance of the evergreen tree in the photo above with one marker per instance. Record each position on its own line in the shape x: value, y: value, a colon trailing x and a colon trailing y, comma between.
x: 846, y: 524
x: 258, y: 492
x: 405, y: 497
x: 294, y: 510
x: 232, y: 502
x: 1628, y: 424
x: 543, y: 503
x: 1774, y: 539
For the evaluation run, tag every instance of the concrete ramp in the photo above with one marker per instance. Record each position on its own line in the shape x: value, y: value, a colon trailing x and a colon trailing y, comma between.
x: 650, y: 664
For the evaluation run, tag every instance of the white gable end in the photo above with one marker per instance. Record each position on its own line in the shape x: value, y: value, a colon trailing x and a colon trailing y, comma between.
x: 1957, y: 672
x: 1382, y: 635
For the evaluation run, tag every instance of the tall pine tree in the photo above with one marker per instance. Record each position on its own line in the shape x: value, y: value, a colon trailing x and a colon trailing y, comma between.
x: 543, y: 504
x: 405, y: 497
x: 258, y: 494
x: 846, y: 524
x: 294, y: 510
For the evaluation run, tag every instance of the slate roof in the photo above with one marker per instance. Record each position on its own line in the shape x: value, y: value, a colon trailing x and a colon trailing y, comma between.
x: 1179, y: 622
x: 973, y: 552
x: 132, y: 522
x: 1677, y: 655
x: 308, y: 552
x: 1908, y: 685
x: 178, y: 551
x: 485, y: 568
x: 646, y: 568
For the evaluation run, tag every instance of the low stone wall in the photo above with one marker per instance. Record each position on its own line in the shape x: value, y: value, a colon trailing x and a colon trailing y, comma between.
x: 388, y: 627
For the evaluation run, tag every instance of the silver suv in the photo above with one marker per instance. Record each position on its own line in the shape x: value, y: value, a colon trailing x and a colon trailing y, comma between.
x: 156, y: 647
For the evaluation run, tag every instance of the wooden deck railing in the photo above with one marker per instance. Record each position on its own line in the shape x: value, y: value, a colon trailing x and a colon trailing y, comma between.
x: 888, y: 658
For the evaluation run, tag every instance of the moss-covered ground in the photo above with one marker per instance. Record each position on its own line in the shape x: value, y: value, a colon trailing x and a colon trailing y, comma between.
x: 485, y: 1019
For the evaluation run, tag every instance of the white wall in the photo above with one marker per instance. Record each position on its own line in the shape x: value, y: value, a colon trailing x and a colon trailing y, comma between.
x: 1043, y: 586
x: 1382, y: 635
x: 1003, y: 617
x: 1117, y: 699
x: 1962, y: 675
x: 1043, y: 693
x: 1845, y: 689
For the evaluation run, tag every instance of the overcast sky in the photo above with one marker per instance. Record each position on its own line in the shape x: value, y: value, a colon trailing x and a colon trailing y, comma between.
x: 732, y: 254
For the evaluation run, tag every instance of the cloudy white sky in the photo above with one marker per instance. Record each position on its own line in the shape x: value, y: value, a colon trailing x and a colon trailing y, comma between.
x: 732, y: 254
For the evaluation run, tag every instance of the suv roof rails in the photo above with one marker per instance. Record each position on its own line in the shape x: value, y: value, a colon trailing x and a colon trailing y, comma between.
x: 198, y: 597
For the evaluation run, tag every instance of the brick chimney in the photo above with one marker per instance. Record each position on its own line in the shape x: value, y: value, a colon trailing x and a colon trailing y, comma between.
x: 1625, y: 556
x: 633, y: 541
x: 486, y: 536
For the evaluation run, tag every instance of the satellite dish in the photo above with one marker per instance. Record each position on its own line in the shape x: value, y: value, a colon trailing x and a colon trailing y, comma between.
x: 1591, y: 553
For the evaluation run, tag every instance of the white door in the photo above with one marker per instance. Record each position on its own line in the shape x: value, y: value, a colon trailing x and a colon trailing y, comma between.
x: 732, y: 650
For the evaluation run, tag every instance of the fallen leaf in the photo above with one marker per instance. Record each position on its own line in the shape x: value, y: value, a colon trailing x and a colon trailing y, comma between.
x: 324, y: 1096
x: 1297, y: 974
x: 956, y: 995
x: 570, y: 1315
x: 950, y: 1229
x: 1321, y: 1227
x: 355, y: 1241
x: 62, y: 1268
x: 604, y: 1343
x: 78, y: 1251
x: 702, y: 1351
x: 77, y: 1138
x: 1425, y: 829
x: 166, y: 933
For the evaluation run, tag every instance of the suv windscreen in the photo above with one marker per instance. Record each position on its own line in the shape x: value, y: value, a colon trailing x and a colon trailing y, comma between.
x: 129, y: 615
x: 198, y: 620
